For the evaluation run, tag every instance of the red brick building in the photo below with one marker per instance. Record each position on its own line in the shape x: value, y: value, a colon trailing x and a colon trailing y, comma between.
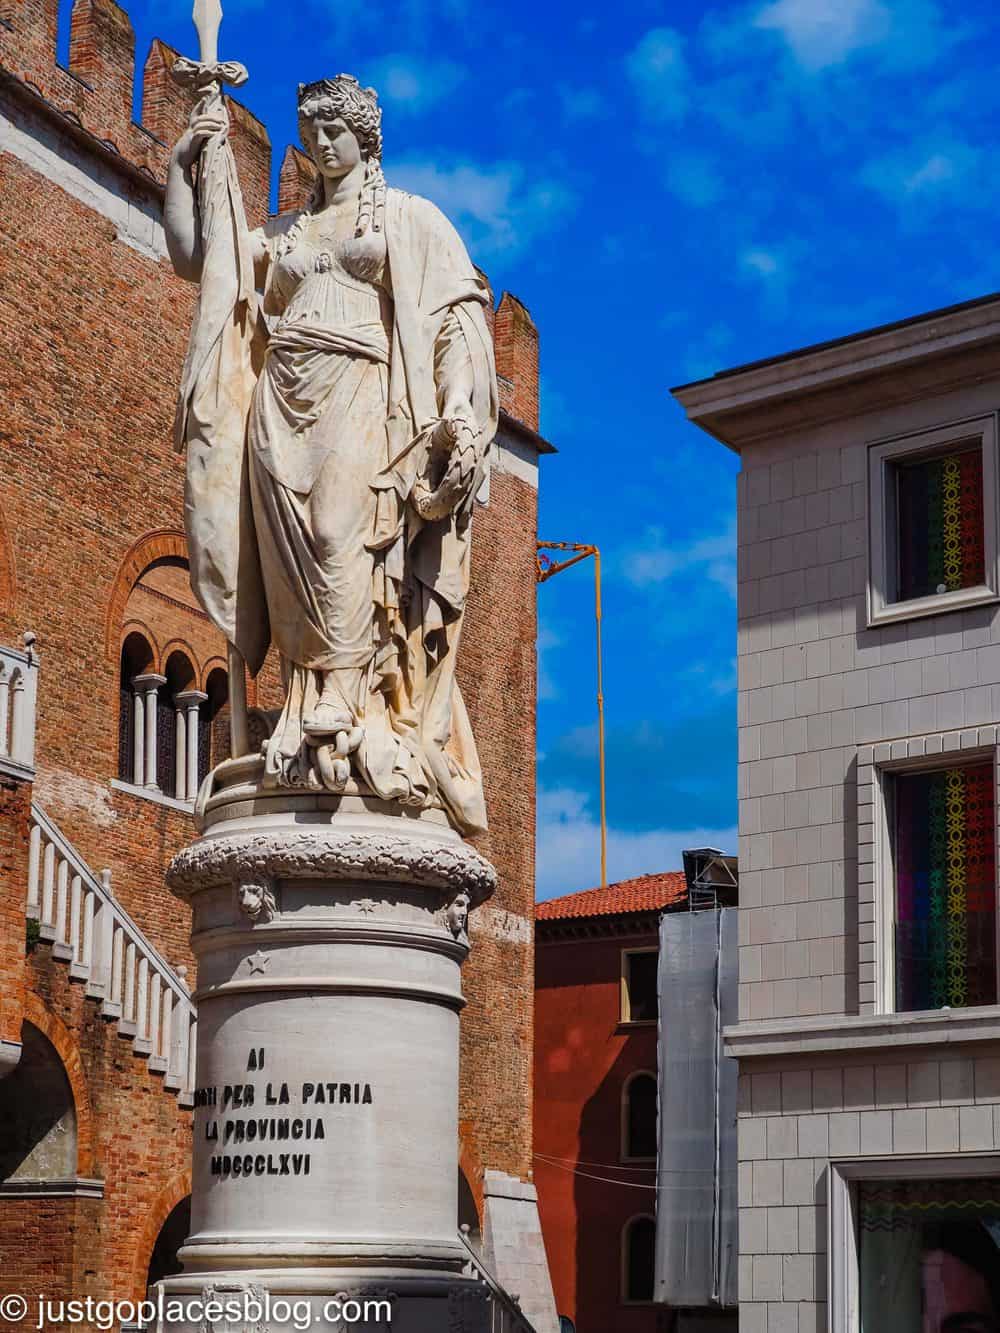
x: 95, y: 1020
x: 595, y: 1098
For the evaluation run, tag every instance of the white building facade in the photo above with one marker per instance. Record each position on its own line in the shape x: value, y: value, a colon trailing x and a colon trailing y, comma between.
x: 869, y: 713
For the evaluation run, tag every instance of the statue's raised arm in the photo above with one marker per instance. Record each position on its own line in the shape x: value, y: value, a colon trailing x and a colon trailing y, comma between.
x: 334, y: 455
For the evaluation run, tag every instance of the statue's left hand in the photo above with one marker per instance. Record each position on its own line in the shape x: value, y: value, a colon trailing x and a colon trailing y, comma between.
x: 451, y: 430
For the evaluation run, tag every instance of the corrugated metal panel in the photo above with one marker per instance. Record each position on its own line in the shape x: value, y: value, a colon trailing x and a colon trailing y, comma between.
x: 696, y: 1200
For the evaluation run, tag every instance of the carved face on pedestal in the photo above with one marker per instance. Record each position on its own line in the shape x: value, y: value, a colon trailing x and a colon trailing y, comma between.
x: 256, y: 901
x: 458, y: 915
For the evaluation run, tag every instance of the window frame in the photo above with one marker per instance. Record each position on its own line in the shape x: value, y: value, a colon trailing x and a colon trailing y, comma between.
x: 882, y: 533
x: 623, y: 1142
x: 625, y: 1019
x: 877, y: 765
x: 843, y: 1241
x: 624, y: 1251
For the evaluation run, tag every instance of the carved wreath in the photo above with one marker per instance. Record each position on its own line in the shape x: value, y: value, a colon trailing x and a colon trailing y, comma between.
x: 262, y: 858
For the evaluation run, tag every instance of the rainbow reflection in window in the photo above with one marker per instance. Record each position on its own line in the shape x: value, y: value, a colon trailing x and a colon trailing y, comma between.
x: 939, y: 505
x: 945, y: 863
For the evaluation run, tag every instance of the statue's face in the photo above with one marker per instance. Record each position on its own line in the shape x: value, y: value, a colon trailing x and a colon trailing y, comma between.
x: 332, y: 144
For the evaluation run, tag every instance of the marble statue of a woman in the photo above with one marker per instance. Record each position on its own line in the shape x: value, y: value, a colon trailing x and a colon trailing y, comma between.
x: 337, y: 406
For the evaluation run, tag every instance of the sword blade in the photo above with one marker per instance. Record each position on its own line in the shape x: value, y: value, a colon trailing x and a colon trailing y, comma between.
x: 207, y: 17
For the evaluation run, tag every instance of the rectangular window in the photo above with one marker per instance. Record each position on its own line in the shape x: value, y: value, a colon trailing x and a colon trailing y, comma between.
x: 929, y: 1255
x: 933, y: 521
x: 914, y: 1245
x: 639, y: 997
x: 943, y: 830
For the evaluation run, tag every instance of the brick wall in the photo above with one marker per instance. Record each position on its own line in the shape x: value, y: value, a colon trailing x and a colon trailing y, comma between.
x: 91, y: 492
x: 15, y: 814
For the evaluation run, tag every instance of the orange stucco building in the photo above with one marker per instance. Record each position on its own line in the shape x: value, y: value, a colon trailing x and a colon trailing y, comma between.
x: 595, y: 1099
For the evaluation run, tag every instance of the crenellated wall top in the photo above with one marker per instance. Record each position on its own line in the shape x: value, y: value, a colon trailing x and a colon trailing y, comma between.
x: 94, y: 92
x: 91, y: 98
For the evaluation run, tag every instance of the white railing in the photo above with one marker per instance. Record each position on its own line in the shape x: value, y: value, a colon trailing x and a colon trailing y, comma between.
x: 77, y: 913
x: 18, y: 695
x: 506, y: 1315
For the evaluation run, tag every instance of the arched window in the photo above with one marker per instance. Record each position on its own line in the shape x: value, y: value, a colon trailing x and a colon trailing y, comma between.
x: 639, y: 1118
x: 37, y: 1115
x: 174, y: 1232
x: 216, y: 740
x: 177, y: 728
x: 638, y: 1246
x: 170, y: 728
x: 136, y: 667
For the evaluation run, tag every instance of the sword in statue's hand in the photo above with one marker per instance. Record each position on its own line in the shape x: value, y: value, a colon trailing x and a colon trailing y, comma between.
x: 207, y: 75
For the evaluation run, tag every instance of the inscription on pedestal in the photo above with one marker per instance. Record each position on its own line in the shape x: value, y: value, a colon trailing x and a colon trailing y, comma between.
x: 298, y: 1124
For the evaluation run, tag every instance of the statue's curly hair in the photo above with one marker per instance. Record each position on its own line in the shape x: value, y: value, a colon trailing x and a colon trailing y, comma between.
x: 359, y: 109
x: 357, y: 106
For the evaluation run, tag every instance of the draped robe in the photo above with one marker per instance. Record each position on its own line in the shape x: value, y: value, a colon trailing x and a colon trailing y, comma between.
x: 273, y: 431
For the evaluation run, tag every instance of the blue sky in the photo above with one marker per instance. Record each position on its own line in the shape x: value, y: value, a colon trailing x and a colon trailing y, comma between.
x: 671, y: 190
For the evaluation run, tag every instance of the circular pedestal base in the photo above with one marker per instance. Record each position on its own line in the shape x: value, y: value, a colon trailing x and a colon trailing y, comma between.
x: 269, y: 1301
x: 329, y: 939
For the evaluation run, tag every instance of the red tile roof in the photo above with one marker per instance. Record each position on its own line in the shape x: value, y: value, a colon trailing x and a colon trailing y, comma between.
x: 646, y: 893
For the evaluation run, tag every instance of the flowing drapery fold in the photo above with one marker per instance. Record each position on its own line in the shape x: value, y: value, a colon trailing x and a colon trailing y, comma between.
x: 217, y: 386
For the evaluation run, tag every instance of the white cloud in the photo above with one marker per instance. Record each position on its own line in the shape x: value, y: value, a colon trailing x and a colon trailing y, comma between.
x: 821, y: 33
x: 658, y: 70
x: 772, y: 268
x: 569, y: 846
x: 765, y: 263
x: 655, y: 562
x: 924, y: 171
x: 499, y: 208
x: 412, y: 83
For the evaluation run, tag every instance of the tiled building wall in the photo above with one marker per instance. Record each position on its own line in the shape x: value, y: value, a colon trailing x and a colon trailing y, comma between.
x: 815, y: 685
x: 793, y: 1119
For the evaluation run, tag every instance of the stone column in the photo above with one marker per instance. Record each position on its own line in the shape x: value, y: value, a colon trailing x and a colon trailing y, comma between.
x: 180, y: 751
x: 329, y: 933
x: 138, y: 736
x: 188, y: 705
x: 147, y: 685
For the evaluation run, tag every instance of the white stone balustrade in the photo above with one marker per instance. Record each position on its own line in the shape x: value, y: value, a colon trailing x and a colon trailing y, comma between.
x: 88, y: 929
x: 18, y: 696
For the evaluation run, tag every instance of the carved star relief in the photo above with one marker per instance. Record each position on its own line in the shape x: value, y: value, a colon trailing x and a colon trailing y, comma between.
x: 366, y: 905
x: 258, y: 962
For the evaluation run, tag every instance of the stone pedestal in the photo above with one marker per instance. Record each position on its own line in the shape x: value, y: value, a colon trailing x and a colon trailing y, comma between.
x: 330, y: 935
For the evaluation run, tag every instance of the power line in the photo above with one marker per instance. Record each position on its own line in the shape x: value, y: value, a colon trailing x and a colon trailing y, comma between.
x: 626, y: 1184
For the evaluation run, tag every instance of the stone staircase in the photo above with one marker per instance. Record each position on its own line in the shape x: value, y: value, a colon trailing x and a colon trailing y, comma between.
x: 75, y: 910
x: 91, y: 932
